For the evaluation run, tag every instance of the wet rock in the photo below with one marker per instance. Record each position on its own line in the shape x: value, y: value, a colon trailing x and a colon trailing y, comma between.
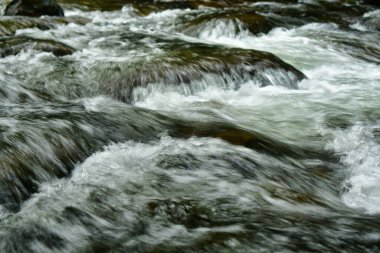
x: 33, y: 8
x: 45, y: 142
x: 148, y: 6
x: 13, y: 92
x: 145, y: 7
x: 242, y: 137
x: 10, y: 24
x: 239, y: 20
x: 291, y: 15
x: 186, y: 65
x: 53, y: 138
x: 181, y: 211
x: 372, y: 20
x: 372, y: 2
x: 102, y: 5
x: 14, y: 45
x: 78, y: 20
x: 260, y: 16
x: 363, y: 50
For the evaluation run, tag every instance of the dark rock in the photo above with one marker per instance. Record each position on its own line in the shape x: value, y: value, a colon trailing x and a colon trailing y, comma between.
x: 102, y: 5
x: 47, y: 141
x: 372, y: 2
x: 241, y: 19
x: 186, y: 64
x: 146, y: 7
x: 33, y: 8
x: 361, y: 48
x: 14, y: 45
x: 293, y: 15
x: 10, y: 24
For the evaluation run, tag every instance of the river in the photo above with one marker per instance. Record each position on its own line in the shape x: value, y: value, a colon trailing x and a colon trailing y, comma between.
x: 191, y: 126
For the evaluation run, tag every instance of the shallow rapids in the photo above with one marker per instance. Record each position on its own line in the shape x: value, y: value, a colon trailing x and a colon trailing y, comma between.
x: 191, y: 126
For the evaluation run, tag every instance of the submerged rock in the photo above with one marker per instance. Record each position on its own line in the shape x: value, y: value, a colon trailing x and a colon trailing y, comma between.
x: 14, y: 45
x: 10, y: 24
x: 145, y: 7
x: 291, y: 15
x: 364, y: 50
x: 33, y: 8
x: 46, y: 141
x: 372, y: 20
x: 193, y: 66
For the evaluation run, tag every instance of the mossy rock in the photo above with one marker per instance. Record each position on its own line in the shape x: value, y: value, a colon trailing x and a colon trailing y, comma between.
x: 14, y: 45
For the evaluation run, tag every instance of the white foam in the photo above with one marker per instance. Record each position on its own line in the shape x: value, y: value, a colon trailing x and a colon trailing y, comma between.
x: 361, y: 155
x: 220, y: 30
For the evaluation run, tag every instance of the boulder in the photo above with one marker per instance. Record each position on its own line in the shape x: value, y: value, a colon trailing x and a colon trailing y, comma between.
x: 373, y: 2
x: 47, y: 141
x: 293, y: 15
x: 33, y: 8
x: 145, y: 7
x: 10, y: 24
x: 14, y: 45
x: 189, y: 68
x: 239, y: 19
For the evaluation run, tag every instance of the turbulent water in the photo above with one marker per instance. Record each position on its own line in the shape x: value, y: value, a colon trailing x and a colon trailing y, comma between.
x: 191, y: 126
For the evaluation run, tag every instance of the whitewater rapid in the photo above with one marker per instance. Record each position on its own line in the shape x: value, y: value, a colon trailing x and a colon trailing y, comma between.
x: 157, y: 189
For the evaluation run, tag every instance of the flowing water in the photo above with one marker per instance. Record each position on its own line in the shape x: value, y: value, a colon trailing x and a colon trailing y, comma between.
x: 191, y: 126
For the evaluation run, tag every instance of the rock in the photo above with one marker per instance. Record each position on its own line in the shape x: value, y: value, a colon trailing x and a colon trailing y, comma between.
x: 55, y: 137
x: 372, y: 20
x: 101, y: 5
x: 14, y: 45
x: 145, y: 7
x: 33, y: 8
x: 240, y: 20
x: 10, y: 24
x: 293, y: 15
x: 372, y: 2
x: 191, y: 67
